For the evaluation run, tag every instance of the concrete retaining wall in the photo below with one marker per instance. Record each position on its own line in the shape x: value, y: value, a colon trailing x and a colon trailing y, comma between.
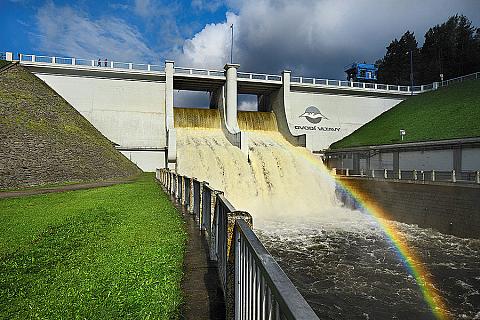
x: 449, y: 209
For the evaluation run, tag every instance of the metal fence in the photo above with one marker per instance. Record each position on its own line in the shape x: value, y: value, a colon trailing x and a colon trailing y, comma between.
x: 90, y: 63
x: 254, y: 285
x: 414, y: 175
x: 245, y: 75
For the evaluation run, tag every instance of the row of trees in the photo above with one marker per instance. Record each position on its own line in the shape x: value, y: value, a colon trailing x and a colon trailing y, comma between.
x: 451, y: 48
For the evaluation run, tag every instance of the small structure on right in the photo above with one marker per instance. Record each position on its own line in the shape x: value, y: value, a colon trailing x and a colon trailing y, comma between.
x: 362, y: 72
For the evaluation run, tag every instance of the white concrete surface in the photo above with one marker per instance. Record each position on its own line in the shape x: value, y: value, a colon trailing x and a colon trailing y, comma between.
x: 231, y: 97
x: 148, y: 161
x: 343, y: 114
x: 129, y: 113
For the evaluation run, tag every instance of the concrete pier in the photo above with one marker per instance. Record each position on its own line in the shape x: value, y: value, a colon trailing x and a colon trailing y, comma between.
x: 231, y: 96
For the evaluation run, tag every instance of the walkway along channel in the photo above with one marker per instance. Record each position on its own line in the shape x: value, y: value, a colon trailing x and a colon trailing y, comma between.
x: 253, y: 284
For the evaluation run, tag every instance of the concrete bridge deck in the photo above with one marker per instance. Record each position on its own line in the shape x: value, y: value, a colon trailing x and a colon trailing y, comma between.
x: 205, y: 80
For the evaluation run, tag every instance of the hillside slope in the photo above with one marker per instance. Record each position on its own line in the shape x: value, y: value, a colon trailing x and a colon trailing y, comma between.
x: 44, y: 140
x: 448, y: 113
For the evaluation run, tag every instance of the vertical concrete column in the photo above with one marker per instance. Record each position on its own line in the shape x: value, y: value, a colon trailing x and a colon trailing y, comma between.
x: 9, y: 56
x: 396, y: 161
x: 286, y: 75
x: 169, y: 71
x: 457, y: 159
x: 231, y: 96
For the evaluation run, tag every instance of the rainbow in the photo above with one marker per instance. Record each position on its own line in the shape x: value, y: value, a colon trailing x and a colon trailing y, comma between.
x: 406, y: 255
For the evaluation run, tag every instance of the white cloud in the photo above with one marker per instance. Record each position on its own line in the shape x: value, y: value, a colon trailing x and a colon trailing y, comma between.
x: 209, y: 48
x: 68, y: 31
x: 315, y: 37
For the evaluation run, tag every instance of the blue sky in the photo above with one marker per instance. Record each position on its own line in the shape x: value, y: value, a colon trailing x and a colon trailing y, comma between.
x: 310, y: 37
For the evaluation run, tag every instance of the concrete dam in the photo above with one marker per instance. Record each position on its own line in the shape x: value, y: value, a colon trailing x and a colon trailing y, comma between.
x: 347, y: 263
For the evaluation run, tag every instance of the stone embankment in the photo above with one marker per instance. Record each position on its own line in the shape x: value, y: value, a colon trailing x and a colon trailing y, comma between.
x: 44, y: 140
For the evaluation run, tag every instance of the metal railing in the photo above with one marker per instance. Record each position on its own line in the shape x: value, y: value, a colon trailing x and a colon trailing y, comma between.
x: 254, y: 285
x: 413, y: 175
x: 3, y: 56
x: 246, y: 75
x: 472, y: 76
x: 259, y: 76
x: 199, y: 72
x: 90, y: 63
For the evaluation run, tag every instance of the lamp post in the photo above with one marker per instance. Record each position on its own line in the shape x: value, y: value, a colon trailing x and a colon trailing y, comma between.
x: 231, y: 46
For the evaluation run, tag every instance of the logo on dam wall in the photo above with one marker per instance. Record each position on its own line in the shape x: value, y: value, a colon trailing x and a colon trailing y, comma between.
x: 313, y: 115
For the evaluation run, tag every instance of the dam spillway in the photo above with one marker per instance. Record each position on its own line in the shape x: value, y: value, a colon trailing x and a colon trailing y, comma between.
x: 275, y: 179
x: 340, y: 259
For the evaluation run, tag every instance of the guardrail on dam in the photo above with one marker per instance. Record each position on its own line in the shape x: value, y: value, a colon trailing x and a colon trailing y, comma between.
x: 254, y: 285
x: 249, y: 76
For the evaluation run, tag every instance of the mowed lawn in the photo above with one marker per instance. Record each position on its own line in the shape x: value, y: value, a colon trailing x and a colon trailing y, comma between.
x: 106, y: 253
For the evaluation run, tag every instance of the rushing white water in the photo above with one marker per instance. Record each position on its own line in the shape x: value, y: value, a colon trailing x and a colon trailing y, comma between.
x: 276, y: 180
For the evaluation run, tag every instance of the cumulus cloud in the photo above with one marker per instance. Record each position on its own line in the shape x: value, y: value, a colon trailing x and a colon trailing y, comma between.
x: 68, y: 31
x: 210, y: 48
x: 315, y: 37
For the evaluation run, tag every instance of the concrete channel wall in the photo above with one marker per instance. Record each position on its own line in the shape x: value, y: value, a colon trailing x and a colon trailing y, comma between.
x: 451, y: 209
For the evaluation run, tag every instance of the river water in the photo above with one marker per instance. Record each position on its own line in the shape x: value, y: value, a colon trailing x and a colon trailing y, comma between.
x: 339, y: 259
x: 350, y: 271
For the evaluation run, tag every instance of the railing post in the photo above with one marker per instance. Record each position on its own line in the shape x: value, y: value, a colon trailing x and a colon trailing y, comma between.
x: 361, y: 173
x: 454, y: 178
x: 130, y: 66
x: 54, y: 60
x: 477, y: 176
x: 347, y: 172
x: 373, y: 173
x: 385, y: 173
x: 93, y: 63
x: 334, y: 171
x: 74, y: 61
x: 399, y: 174
x: 415, y: 175
x: 148, y: 68
x: 33, y: 58
x: 232, y: 263
x: 111, y: 64
x: 433, y: 175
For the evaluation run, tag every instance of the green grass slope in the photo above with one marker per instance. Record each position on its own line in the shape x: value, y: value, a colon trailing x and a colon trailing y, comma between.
x: 448, y: 113
x: 104, y: 253
x: 44, y: 140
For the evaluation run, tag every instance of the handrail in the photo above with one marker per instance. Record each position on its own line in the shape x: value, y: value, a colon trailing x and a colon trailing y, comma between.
x: 92, y: 63
x: 247, y: 75
x: 452, y: 176
x: 254, y: 285
x: 270, y: 282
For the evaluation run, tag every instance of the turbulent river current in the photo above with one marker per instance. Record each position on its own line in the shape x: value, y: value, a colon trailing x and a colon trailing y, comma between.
x: 340, y: 259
